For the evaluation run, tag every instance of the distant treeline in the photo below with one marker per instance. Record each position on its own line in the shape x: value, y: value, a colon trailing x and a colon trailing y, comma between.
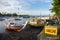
x: 13, y: 15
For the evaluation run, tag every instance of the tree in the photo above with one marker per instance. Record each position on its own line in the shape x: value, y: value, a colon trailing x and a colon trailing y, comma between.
x: 0, y: 14
x: 14, y: 14
x: 56, y: 7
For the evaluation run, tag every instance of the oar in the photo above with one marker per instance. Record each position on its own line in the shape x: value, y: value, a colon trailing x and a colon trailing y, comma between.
x: 25, y: 24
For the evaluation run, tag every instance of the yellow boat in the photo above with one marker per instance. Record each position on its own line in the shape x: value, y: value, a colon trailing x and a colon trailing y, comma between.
x: 36, y: 22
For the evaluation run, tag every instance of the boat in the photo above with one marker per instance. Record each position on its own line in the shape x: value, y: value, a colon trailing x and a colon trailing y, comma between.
x: 50, y: 22
x: 36, y: 22
x: 16, y: 25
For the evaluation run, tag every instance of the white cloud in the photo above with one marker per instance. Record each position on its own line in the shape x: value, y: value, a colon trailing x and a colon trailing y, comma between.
x: 13, y: 5
x: 8, y: 5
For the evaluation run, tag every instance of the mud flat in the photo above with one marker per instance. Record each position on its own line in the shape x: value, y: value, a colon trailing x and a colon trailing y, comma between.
x: 27, y: 34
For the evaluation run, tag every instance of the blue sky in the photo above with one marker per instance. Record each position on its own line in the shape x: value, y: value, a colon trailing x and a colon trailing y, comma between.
x: 31, y: 7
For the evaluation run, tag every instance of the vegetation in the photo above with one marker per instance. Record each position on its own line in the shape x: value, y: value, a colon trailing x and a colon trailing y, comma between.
x: 56, y: 7
x: 0, y: 14
x: 58, y: 38
x: 13, y: 15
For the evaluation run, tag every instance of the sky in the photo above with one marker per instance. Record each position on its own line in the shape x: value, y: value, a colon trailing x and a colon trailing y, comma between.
x: 31, y: 7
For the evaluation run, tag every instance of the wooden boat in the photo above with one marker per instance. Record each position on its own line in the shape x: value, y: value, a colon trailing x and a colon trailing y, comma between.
x: 36, y: 22
x: 17, y: 26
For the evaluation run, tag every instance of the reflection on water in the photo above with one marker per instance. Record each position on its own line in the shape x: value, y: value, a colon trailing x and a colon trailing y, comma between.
x: 2, y: 27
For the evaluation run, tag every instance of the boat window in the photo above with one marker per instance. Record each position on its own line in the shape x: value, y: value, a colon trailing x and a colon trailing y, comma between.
x: 11, y: 23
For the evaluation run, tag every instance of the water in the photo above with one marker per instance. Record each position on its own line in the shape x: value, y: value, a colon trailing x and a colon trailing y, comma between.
x: 28, y: 34
x: 3, y: 22
x: 2, y: 27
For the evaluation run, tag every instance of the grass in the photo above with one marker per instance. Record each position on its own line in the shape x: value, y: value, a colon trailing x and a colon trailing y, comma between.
x: 45, y: 36
x: 58, y: 38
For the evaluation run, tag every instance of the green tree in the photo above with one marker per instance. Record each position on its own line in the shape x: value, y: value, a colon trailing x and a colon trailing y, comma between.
x: 0, y: 14
x: 14, y: 14
x: 56, y: 7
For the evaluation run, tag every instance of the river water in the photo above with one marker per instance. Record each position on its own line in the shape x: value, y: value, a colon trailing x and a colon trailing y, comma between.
x: 29, y: 34
x: 2, y: 27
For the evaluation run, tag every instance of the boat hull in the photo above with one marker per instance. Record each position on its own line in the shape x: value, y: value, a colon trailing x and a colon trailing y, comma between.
x: 19, y: 28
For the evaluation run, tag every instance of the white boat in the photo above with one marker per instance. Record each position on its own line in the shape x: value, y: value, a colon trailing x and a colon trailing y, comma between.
x: 16, y: 25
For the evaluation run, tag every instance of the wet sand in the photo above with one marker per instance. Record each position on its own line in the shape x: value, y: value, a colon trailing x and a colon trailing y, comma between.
x: 27, y: 34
